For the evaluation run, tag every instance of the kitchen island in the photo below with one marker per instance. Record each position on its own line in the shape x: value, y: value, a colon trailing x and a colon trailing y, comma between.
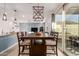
x: 7, y: 41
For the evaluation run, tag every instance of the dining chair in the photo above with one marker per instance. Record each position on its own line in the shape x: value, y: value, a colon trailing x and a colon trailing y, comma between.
x: 22, y: 43
x: 52, y: 44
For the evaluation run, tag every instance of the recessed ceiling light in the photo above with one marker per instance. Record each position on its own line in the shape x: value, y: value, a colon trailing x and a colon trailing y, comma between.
x: 6, y: 13
x: 23, y: 16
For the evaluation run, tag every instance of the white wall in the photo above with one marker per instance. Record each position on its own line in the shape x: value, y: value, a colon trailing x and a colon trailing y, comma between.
x: 47, y: 20
x: 7, y: 26
x: 48, y: 23
x: 27, y: 26
x: 4, y: 27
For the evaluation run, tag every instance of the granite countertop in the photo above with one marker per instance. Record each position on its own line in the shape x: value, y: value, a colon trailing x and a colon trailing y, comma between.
x: 4, y: 35
x: 7, y: 34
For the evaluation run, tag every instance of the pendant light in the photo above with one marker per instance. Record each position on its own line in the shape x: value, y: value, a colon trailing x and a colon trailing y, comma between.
x: 38, y: 13
x: 4, y: 14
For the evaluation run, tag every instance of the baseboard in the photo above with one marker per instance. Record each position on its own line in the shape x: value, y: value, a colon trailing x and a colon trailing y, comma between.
x: 8, y: 48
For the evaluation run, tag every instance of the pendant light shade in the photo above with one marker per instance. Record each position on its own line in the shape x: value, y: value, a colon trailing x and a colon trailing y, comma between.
x: 4, y: 17
x: 38, y: 13
x: 4, y: 14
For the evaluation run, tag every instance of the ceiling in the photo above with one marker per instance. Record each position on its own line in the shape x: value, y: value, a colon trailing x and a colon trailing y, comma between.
x: 72, y: 8
x: 24, y: 10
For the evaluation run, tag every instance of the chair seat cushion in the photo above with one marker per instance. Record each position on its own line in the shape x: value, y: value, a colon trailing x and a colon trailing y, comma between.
x: 50, y: 42
x: 26, y: 42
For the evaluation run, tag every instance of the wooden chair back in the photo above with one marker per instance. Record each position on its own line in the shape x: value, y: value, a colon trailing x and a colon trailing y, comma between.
x: 55, y: 35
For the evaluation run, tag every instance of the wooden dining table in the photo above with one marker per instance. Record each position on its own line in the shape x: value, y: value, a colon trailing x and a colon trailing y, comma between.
x: 37, y: 44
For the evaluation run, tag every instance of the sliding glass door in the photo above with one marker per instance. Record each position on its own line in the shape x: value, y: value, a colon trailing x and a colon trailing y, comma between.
x: 72, y: 31
x: 58, y: 28
x: 67, y: 24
